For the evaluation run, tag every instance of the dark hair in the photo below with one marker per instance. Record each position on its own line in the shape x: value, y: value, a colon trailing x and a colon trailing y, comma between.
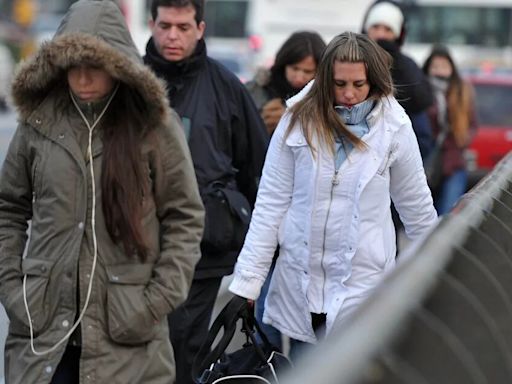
x: 198, y: 6
x: 124, y: 182
x: 439, y: 50
x: 315, y: 111
x: 296, y: 48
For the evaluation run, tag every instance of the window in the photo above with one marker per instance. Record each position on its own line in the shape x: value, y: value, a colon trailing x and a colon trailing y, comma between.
x: 488, y: 27
x: 226, y: 18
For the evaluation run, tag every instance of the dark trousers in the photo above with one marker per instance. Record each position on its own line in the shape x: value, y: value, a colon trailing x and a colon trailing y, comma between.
x: 67, y: 371
x: 297, y: 348
x: 189, y: 323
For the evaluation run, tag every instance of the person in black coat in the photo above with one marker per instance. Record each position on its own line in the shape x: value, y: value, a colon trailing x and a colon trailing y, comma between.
x: 228, y: 141
x: 385, y: 23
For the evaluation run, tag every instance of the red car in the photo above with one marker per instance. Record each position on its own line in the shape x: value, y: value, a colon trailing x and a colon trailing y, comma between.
x: 493, y: 139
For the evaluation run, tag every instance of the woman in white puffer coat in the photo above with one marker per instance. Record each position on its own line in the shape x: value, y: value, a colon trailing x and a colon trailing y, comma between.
x: 343, y: 150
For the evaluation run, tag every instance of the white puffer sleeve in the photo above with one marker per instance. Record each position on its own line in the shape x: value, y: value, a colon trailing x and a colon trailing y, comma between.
x: 272, y: 202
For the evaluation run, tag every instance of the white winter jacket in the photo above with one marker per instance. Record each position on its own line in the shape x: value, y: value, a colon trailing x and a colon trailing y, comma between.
x: 338, y: 230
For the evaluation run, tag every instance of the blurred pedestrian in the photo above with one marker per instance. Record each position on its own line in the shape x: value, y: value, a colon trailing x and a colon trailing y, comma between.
x: 294, y: 66
x: 385, y: 23
x: 453, y: 118
x: 100, y: 166
x: 341, y: 152
x: 228, y: 142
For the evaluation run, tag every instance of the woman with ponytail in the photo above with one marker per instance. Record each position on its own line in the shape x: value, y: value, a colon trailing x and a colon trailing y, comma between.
x: 100, y: 166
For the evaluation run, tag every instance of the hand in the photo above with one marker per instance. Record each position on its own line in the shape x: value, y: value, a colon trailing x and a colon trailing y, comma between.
x: 271, y: 114
x: 250, y: 302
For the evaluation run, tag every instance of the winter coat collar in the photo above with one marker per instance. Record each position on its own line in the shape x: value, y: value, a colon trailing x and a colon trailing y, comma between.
x: 94, y: 33
x: 187, y: 67
x: 383, y: 102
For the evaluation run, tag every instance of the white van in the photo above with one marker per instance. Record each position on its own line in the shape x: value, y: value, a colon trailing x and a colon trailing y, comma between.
x: 275, y: 20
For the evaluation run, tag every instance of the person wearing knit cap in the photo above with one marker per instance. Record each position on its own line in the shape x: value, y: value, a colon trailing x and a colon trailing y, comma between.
x: 386, y: 19
x: 385, y: 23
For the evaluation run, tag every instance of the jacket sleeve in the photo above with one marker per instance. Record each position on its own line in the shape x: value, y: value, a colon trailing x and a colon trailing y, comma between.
x: 181, y: 215
x: 409, y: 190
x: 15, y: 212
x: 250, y: 142
x: 274, y: 198
x: 412, y: 86
x: 423, y: 131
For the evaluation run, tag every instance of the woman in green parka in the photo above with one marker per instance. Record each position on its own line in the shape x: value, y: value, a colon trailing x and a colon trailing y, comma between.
x: 100, y: 165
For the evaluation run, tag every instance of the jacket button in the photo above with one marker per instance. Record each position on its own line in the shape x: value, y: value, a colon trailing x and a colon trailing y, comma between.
x: 48, y: 369
x: 80, y: 225
x: 65, y: 323
x: 61, y: 136
x: 115, y: 278
x: 38, y: 122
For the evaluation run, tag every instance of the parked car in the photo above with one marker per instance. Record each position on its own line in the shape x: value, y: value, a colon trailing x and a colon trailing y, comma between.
x: 493, y: 138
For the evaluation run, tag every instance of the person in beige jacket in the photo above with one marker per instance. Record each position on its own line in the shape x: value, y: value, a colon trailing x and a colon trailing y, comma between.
x: 100, y: 165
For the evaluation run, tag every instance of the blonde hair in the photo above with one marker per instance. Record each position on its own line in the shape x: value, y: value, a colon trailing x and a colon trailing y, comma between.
x: 316, y: 113
x: 460, y: 104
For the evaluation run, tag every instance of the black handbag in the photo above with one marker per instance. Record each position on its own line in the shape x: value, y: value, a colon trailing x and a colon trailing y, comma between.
x: 434, y: 168
x: 227, y: 218
x: 253, y: 363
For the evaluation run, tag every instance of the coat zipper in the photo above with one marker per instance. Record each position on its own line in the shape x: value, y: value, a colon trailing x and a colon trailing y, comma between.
x: 388, y: 159
x: 334, y: 182
x: 34, y: 183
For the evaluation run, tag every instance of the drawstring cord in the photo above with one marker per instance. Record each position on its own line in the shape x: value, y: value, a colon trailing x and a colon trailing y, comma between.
x: 94, y: 240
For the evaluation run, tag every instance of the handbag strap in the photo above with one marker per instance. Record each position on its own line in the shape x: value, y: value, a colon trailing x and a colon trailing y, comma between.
x: 235, y: 309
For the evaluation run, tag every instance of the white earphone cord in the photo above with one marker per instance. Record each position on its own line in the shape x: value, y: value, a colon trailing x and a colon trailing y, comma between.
x: 94, y: 241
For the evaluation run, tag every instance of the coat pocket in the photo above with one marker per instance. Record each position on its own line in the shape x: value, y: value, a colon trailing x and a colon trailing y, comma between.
x: 37, y: 274
x: 130, y: 320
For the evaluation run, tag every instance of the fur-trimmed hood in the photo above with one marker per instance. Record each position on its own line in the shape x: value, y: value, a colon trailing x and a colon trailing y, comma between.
x: 94, y: 32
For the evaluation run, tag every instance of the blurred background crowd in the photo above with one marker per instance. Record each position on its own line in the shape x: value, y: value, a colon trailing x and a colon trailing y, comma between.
x: 245, y: 35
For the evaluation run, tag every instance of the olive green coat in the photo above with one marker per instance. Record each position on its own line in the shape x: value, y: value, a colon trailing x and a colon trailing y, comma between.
x: 46, y: 179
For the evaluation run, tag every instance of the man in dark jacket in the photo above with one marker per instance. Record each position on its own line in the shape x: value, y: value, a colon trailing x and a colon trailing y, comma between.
x: 385, y: 23
x: 227, y: 140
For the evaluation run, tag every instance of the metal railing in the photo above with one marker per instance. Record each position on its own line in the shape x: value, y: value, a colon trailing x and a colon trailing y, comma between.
x: 444, y: 315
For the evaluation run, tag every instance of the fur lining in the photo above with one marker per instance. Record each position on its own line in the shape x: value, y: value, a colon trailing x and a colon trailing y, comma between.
x: 36, y: 77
